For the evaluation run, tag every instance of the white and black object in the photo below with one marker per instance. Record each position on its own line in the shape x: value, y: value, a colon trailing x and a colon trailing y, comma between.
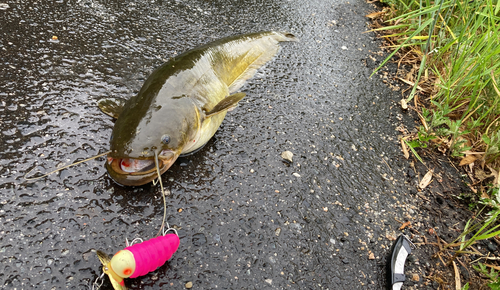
x: 396, y: 264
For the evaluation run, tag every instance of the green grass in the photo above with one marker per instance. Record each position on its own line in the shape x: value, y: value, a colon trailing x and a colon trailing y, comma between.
x: 457, y: 43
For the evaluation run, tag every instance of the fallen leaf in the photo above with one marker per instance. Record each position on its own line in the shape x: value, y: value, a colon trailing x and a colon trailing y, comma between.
x: 405, y: 149
x: 481, y: 175
x: 374, y: 15
x: 426, y: 180
x: 406, y: 224
x: 467, y: 160
x: 404, y: 105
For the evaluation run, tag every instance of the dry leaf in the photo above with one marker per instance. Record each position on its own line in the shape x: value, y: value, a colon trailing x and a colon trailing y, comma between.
x: 374, y: 15
x: 404, y: 105
x: 422, y: 120
x: 406, y: 224
x: 481, y: 175
x: 467, y: 160
x: 405, y: 149
x: 426, y: 180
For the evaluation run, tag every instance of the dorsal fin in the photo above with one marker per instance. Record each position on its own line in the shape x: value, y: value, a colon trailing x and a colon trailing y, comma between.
x: 245, y: 65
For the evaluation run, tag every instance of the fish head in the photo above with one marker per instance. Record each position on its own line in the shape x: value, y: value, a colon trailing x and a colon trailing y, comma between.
x: 162, y: 131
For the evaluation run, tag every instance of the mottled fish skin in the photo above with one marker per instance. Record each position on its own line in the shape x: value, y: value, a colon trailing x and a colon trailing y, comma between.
x: 175, y: 99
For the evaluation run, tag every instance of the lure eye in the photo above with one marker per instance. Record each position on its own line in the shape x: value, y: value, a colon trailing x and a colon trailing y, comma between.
x: 165, y: 139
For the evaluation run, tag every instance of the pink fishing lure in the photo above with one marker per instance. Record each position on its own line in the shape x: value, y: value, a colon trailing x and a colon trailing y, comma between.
x: 142, y: 258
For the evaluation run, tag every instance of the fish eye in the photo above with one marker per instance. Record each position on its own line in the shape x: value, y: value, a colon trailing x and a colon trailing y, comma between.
x: 165, y: 139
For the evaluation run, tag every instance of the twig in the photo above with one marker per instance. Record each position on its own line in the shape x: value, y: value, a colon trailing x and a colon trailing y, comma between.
x: 412, y: 84
x: 441, y: 259
x: 387, y: 164
x: 458, y: 285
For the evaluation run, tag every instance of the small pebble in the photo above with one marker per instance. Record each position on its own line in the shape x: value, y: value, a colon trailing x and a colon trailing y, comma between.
x: 189, y: 285
x: 287, y: 155
x: 296, y: 174
x: 415, y: 277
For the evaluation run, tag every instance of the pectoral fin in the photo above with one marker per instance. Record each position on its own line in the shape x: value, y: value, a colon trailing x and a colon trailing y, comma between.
x: 226, y: 104
x: 111, y: 106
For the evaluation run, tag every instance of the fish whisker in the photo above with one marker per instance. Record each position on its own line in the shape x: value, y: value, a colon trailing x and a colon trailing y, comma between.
x: 59, y: 169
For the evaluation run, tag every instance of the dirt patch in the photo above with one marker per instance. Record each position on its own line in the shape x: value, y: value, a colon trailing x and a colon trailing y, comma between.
x: 443, y: 213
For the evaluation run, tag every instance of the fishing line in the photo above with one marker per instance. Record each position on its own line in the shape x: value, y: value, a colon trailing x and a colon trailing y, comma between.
x: 163, y: 196
x: 64, y: 167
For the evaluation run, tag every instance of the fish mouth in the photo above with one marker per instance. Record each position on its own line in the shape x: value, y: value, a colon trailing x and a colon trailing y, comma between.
x: 134, y: 171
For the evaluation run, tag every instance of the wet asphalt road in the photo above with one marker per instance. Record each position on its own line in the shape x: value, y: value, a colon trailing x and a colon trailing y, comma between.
x: 247, y: 220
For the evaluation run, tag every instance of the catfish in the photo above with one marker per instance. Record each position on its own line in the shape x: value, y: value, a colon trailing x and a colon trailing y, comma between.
x: 182, y: 104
